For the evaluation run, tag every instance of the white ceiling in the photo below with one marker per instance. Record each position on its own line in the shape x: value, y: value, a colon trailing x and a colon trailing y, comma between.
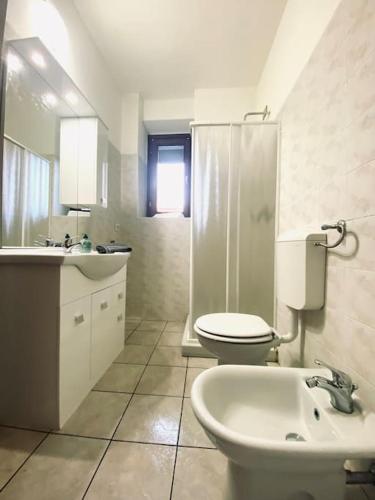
x: 167, y: 48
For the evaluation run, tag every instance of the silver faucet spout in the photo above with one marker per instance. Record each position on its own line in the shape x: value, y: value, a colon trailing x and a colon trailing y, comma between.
x: 340, y: 388
x: 69, y: 249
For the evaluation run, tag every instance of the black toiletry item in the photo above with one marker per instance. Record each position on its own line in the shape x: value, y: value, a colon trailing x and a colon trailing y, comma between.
x: 112, y: 248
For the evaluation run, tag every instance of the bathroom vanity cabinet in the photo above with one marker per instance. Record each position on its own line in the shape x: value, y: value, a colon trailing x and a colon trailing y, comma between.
x: 60, y: 331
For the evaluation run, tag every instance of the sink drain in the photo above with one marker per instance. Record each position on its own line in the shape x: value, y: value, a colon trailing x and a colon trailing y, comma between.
x: 294, y: 436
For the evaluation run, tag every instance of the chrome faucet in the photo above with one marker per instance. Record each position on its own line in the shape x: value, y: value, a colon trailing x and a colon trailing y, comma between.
x: 69, y: 243
x: 69, y: 249
x: 340, y: 388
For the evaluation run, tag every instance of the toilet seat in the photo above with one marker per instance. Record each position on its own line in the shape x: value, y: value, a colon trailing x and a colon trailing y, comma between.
x: 234, y: 328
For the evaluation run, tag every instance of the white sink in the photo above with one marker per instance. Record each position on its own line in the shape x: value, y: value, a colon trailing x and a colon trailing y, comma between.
x: 97, y: 266
x: 93, y: 265
x: 254, y: 415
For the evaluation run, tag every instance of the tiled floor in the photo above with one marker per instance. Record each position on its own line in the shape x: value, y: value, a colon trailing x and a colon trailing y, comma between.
x: 134, y: 437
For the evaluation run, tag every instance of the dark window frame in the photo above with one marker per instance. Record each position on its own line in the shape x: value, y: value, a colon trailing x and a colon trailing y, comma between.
x: 154, y: 141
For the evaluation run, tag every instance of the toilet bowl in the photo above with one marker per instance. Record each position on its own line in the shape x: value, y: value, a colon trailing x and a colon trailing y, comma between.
x: 241, y: 339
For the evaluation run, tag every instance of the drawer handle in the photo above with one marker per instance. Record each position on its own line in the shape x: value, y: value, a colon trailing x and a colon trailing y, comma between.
x: 120, y: 295
x: 79, y: 318
x: 104, y: 305
x: 119, y: 317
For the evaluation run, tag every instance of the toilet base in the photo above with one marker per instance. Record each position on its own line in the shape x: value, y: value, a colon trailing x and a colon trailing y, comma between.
x: 247, y: 484
x: 238, y: 354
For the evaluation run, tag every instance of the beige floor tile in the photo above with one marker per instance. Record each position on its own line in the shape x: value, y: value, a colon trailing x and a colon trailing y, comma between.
x: 132, y: 323
x: 132, y: 471
x: 370, y: 491
x: 135, y: 354
x: 202, y: 362
x: 192, y: 433
x: 199, y: 475
x: 192, y: 373
x: 143, y: 338
x: 151, y: 326
x: 60, y: 469
x: 168, y: 356
x: 355, y: 493
x: 120, y: 378
x: 98, y: 415
x: 151, y: 419
x: 175, y: 326
x: 162, y: 381
x: 129, y: 329
x: 170, y: 339
x: 15, y: 446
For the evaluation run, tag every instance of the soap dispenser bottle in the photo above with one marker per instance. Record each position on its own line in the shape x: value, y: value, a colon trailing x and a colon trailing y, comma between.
x: 86, y: 244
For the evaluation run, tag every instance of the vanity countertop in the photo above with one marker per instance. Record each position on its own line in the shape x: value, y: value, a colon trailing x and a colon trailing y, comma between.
x: 93, y: 265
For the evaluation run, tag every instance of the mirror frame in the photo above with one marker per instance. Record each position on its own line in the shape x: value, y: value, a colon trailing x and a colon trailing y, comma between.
x: 3, y: 72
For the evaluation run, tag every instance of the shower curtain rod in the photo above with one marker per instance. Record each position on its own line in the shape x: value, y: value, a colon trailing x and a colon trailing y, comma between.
x: 265, y: 113
x: 213, y: 124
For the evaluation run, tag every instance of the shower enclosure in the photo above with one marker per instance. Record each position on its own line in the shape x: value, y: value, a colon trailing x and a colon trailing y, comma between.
x: 234, y: 199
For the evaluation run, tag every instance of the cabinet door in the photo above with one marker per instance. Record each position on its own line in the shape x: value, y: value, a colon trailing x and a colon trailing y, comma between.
x: 119, y: 294
x: 69, y: 141
x: 105, y: 339
x: 75, y: 333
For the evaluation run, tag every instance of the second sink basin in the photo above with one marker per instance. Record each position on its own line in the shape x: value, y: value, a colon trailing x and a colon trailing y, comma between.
x: 254, y: 411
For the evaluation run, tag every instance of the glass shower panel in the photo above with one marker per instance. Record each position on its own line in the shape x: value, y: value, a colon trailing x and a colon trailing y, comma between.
x: 211, y: 157
x: 257, y: 162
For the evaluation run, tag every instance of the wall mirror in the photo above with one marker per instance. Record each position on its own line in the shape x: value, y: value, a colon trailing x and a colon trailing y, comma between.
x: 55, y: 151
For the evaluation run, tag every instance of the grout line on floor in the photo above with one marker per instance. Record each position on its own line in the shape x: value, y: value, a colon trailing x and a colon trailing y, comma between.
x: 25, y: 428
x: 148, y: 364
x: 23, y: 463
x: 178, y: 434
x: 69, y: 434
x: 117, y: 426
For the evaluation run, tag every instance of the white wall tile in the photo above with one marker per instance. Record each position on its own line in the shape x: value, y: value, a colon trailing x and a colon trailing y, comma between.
x: 327, y: 173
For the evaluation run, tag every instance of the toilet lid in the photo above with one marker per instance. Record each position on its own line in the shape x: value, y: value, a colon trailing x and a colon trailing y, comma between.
x: 234, y: 325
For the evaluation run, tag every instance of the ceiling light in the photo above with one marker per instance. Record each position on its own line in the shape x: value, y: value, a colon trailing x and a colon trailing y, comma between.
x: 14, y: 63
x: 38, y: 59
x: 72, y: 98
x: 50, y: 100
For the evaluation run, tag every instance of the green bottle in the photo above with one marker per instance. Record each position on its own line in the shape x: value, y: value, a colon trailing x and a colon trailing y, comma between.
x: 86, y: 244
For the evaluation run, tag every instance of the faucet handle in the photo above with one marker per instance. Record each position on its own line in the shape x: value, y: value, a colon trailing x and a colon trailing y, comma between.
x: 340, y: 379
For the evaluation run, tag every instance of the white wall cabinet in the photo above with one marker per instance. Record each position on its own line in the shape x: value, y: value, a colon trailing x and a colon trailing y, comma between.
x: 60, y: 332
x: 83, y: 162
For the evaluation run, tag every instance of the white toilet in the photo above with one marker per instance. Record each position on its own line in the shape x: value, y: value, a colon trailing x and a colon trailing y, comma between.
x: 240, y: 339
x: 247, y: 339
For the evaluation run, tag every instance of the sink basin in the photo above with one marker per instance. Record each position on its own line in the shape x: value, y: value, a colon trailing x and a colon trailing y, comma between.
x: 97, y: 266
x: 93, y: 265
x: 266, y: 419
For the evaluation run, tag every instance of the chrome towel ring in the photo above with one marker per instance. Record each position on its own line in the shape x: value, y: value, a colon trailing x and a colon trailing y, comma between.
x: 340, y: 226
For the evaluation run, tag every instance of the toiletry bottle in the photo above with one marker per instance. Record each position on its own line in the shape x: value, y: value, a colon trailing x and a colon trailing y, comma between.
x: 86, y: 244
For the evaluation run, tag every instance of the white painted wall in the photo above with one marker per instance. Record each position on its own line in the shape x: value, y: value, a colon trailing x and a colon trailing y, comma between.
x: 168, y: 116
x: 227, y: 104
x: 60, y: 28
x: 300, y: 29
x: 133, y: 133
x: 168, y: 109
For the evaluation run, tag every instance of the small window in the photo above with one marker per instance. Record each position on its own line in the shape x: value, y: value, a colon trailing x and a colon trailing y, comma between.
x: 169, y: 158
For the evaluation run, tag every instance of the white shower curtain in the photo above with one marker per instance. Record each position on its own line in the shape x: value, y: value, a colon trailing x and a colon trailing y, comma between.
x: 26, y: 191
x: 12, y: 194
x: 233, y: 219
